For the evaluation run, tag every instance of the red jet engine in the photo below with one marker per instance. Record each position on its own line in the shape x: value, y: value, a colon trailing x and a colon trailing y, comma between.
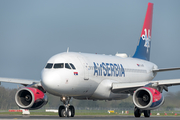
x: 30, y: 98
x: 147, y: 98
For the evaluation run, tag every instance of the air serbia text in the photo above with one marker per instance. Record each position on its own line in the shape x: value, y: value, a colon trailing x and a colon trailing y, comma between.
x: 109, y: 69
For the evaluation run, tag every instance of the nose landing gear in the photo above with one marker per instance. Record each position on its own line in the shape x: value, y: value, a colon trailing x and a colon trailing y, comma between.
x: 66, y: 110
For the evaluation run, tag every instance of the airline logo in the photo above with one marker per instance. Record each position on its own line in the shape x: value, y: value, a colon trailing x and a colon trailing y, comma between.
x: 147, y: 38
x: 109, y: 69
x: 140, y: 65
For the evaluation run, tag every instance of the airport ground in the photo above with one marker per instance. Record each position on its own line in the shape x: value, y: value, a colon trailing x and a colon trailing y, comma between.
x: 93, y: 112
x: 113, y: 117
x: 89, y: 115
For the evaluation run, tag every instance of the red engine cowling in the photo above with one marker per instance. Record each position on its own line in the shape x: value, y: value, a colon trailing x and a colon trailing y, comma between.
x: 30, y: 98
x: 147, y: 98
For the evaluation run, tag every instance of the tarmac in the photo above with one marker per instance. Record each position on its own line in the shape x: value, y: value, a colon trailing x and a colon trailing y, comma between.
x: 25, y: 117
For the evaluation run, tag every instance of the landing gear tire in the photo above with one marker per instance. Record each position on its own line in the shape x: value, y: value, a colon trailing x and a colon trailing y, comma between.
x: 147, y: 113
x: 61, y: 111
x: 66, y: 110
x: 69, y: 113
x: 72, y: 110
x: 137, y: 112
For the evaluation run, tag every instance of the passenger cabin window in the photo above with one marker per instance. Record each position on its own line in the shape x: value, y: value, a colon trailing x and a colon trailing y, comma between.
x: 59, y: 65
x: 67, y: 66
x: 72, y: 66
x: 49, y: 66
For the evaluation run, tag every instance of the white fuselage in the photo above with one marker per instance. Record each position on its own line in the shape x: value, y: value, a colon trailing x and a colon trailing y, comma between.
x: 93, y: 75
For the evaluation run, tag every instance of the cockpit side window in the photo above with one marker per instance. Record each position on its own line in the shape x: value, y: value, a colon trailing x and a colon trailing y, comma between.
x: 49, y: 65
x: 67, y: 66
x: 59, y: 65
x: 72, y: 66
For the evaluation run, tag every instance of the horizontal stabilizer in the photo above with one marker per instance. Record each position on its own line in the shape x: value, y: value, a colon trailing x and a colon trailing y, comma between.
x: 166, y: 69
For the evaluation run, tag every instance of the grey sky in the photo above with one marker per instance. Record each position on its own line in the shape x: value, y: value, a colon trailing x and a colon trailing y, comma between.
x: 33, y: 31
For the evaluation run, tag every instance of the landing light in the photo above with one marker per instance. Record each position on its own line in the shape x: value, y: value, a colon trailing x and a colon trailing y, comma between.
x: 64, y: 98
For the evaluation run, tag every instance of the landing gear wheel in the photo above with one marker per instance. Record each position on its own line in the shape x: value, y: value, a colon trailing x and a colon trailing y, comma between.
x: 137, y: 112
x: 147, y: 113
x: 66, y: 110
x: 68, y: 113
x: 72, y: 110
x: 61, y: 111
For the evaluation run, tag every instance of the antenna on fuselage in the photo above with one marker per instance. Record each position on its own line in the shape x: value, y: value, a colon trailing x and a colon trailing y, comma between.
x: 67, y: 49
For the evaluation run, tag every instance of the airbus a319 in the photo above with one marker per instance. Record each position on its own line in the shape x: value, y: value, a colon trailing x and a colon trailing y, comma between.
x: 87, y: 76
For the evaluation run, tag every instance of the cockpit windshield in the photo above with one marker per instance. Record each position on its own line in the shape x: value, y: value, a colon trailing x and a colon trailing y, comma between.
x: 49, y: 66
x: 72, y: 66
x: 59, y: 65
x: 67, y: 66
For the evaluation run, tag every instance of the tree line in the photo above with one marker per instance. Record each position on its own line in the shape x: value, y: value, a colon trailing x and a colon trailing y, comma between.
x: 7, y: 101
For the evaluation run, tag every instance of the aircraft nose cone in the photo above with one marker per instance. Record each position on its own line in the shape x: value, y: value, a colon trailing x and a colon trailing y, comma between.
x: 48, y: 80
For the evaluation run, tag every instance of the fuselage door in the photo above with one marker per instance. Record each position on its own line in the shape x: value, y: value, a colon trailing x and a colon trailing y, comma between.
x: 85, y: 67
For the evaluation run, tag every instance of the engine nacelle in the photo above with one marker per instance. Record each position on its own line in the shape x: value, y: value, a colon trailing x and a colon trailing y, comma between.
x: 147, y: 98
x: 30, y: 98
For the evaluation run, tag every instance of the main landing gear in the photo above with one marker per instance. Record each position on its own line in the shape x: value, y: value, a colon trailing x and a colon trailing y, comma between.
x: 137, y: 112
x: 66, y: 110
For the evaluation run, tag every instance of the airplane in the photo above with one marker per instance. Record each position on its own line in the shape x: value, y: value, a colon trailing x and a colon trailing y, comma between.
x: 87, y: 76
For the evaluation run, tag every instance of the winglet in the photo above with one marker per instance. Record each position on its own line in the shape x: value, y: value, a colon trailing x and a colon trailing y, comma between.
x: 143, y: 48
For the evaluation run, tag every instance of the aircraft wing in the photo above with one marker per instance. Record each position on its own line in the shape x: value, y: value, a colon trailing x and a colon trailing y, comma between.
x: 131, y: 87
x: 19, y: 81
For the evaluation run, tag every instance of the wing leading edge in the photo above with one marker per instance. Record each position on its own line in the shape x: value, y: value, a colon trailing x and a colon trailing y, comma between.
x: 24, y: 82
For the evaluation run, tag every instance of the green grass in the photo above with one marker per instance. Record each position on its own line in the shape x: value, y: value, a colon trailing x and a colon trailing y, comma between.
x: 87, y: 112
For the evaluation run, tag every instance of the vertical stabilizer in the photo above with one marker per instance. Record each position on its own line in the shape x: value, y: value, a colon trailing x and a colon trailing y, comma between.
x: 143, y: 48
